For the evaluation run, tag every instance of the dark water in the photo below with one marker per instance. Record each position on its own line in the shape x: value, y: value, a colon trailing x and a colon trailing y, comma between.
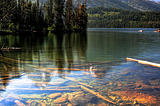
x: 80, y: 69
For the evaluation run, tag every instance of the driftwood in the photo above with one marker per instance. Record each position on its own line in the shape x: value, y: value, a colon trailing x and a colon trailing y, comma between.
x: 5, y: 68
x: 70, y: 69
x: 9, y: 60
x: 144, y: 62
x: 11, y: 48
x: 97, y: 94
x: 91, y: 91
x: 7, y: 76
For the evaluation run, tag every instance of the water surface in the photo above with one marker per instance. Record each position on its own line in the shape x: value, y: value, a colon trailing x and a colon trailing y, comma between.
x: 80, y: 69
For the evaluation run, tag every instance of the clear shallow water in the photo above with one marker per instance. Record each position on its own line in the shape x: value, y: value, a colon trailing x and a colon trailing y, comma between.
x: 81, y: 69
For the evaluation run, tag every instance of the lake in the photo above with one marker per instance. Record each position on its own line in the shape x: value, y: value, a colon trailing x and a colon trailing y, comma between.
x: 80, y: 69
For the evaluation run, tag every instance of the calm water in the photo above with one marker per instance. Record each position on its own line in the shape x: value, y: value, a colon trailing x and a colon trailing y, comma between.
x: 80, y: 69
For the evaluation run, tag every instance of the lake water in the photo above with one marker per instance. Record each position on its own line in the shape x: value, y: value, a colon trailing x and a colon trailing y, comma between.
x: 80, y: 69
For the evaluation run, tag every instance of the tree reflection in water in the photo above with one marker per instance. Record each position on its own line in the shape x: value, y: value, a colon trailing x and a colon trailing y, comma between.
x: 53, y: 69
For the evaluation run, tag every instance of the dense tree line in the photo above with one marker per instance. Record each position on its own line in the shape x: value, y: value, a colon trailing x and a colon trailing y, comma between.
x: 101, y: 17
x: 54, y: 15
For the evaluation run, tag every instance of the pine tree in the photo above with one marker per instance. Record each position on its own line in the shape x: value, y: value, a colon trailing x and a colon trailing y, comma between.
x: 49, y: 13
x: 38, y: 4
x: 59, y: 13
x: 28, y: 14
x: 68, y: 15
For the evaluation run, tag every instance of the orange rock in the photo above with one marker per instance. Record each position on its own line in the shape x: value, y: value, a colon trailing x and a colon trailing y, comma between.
x: 134, y: 96
x: 119, y: 84
x: 112, y: 97
x: 110, y: 83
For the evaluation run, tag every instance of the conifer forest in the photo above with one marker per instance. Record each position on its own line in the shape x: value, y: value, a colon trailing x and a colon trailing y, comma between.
x: 53, y: 16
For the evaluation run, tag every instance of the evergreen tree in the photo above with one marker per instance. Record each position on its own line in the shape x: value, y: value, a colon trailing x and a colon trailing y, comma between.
x: 59, y: 14
x: 68, y: 15
x: 49, y: 13
x: 28, y: 15
x: 37, y: 4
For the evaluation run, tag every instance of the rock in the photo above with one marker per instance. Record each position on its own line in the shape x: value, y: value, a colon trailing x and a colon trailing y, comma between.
x: 135, y: 102
x: 44, y: 98
x: 60, y: 100
x: 119, y: 84
x: 49, y: 100
x: 29, y: 101
x: 112, y: 97
x: 78, y: 100
x: 12, y: 100
x: 19, y: 103
x: 42, y: 104
x: 110, y: 83
x: 65, y: 95
x: 35, y: 103
x: 54, y: 95
x: 45, y: 101
x: 90, y: 97
x: 134, y: 96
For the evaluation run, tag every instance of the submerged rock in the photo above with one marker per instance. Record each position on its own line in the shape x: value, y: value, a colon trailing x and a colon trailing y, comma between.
x: 54, y: 95
x: 112, y: 97
x: 78, y: 100
x: 60, y: 100
x: 36, y: 103
x: 90, y: 97
x: 135, y: 97
x: 11, y: 100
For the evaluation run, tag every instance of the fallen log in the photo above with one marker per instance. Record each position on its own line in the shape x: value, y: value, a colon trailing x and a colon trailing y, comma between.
x: 71, y: 69
x: 97, y: 94
x: 91, y: 91
x: 144, y: 62
x: 9, y: 60
x: 11, y: 48
x: 5, y: 68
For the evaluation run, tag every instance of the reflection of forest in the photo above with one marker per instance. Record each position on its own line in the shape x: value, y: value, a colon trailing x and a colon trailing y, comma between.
x: 64, y: 49
x: 8, y: 70
x: 67, y: 48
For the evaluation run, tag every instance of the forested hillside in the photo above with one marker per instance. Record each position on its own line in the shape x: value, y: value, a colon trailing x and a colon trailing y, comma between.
x: 101, y: 17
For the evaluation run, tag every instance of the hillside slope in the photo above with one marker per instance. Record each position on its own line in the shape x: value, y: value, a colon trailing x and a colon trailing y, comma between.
x: 101, y: 17
x: 135, y: 5
x: 141, y: 5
